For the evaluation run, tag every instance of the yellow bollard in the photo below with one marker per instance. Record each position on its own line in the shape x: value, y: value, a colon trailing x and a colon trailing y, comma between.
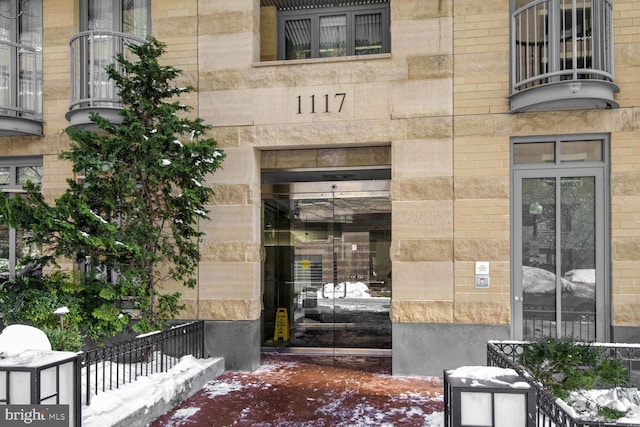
x: 282, y: 325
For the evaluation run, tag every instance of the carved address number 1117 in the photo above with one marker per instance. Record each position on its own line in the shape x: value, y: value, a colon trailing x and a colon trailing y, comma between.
x: 322, y: 101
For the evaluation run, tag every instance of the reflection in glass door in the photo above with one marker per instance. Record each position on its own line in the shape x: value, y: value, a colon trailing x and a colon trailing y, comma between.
x: 327, y: 262
x: 561, y: 277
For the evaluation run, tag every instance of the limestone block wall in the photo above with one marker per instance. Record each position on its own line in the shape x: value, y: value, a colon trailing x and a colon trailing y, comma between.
x: 625, y: 168
x: 365, y: 109
x: 229, y: 275
x: 482, y: 130
x: 481, y: 160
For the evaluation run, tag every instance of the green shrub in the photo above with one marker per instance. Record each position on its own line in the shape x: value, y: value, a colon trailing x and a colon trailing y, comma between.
x: 564, y: 365
x: 64, y: 339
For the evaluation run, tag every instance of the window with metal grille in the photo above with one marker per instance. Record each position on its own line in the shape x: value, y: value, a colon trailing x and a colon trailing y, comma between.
x: 330, y: 29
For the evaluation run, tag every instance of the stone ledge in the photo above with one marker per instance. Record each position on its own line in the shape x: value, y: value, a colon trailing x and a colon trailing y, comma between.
x: 131, y: 416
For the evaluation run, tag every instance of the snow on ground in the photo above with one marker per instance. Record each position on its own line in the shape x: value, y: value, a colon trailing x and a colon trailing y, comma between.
x: 584, y: 404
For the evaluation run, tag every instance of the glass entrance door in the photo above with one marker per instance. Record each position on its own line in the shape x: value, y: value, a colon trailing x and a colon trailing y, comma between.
x: 559, y: 277
x: 327, y: 263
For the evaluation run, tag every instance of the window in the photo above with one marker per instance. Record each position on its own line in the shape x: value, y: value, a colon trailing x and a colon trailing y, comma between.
x: 560, y: 234
x: 21, y: 61
x: 555, y: 41
x: 14, y: 249
x: 327, y: 32
x: 106, y: 27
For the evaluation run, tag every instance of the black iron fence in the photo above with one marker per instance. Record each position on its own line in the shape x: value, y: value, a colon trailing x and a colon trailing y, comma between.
x: 506, y: 354
x: 112, y: 366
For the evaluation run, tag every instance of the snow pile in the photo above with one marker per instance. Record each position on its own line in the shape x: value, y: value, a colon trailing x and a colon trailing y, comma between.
x: 111, y: 407
x: 16, y: 339
x: 344, y: 289
x: 584, y: 404
x: 491, y: 374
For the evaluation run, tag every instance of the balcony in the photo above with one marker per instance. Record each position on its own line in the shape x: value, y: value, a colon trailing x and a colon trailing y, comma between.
x: 562, y: 56
x: 91, y: 89
x: 20, y: 89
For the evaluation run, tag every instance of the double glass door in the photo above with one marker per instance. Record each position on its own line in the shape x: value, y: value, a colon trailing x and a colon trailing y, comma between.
x: 560, y: 275
x: 327, y: 264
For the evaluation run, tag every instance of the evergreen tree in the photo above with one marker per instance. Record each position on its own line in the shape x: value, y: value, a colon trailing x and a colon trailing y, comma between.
x: 131, y: 221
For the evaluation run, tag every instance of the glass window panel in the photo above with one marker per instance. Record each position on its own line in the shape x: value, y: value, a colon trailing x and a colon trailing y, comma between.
x: 297, y: 38
x: 368, y: 34
x: 101, y: 15
x: 531, y: 53
x: 135, y: 14
x: 582, y: 42
x: 581, y: 151
x: 478, y: 409
x: 534, y: 152
x: 30, y: 57
x: 29, y: 173
x: 7, y: 33
x: 6, y: 12
x: 578, y: 257
x: 538, y: 257
x: 5, y: 174
x: 333, y: 36
x: 4, y: 251
x: 25, y: 248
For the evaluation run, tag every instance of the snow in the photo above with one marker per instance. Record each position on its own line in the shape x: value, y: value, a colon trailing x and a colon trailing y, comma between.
x: 480, y: 376
x: 16, y: 339
x: 584, y: 404
x: 22, y: 345
x: 99, y: 218
x: 353, y: 290
x: 110, y: 407
x: 61, y: 311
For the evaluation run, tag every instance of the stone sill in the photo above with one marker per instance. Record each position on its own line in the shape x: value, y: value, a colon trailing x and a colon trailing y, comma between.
x: 321, y: 60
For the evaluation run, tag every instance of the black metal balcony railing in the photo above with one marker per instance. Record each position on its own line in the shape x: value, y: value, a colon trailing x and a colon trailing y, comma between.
x: 20, y: 89
x: 112, y: 366
x: 566, y: 45
x: 506, y: 354
x: 91, y: 88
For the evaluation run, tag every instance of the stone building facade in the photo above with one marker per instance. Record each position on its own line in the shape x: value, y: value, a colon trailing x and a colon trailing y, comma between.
x: 437, y: 126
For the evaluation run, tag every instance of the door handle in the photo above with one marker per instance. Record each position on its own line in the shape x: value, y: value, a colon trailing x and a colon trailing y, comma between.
x: 517, y: 298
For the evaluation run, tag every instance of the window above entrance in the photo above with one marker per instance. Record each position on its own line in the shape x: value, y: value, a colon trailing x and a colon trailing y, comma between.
x: 561, y: 55
x: 324, y: 29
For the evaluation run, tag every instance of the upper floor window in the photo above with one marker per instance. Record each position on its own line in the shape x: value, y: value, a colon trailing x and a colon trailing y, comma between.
x: 123, y: 16
x: 20, y: 67
x: 106, y: 27
x: 15, y: 249
x: 562, y: 43
x: 330, y: 29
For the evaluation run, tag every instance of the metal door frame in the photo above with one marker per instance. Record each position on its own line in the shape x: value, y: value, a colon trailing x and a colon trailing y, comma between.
x: 330, y: 190
x: 601, y: 246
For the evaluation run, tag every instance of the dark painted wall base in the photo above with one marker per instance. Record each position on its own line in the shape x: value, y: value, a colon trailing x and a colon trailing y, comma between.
x: 237, y: 341
x: 430, y: 348
x: 626, y: 334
